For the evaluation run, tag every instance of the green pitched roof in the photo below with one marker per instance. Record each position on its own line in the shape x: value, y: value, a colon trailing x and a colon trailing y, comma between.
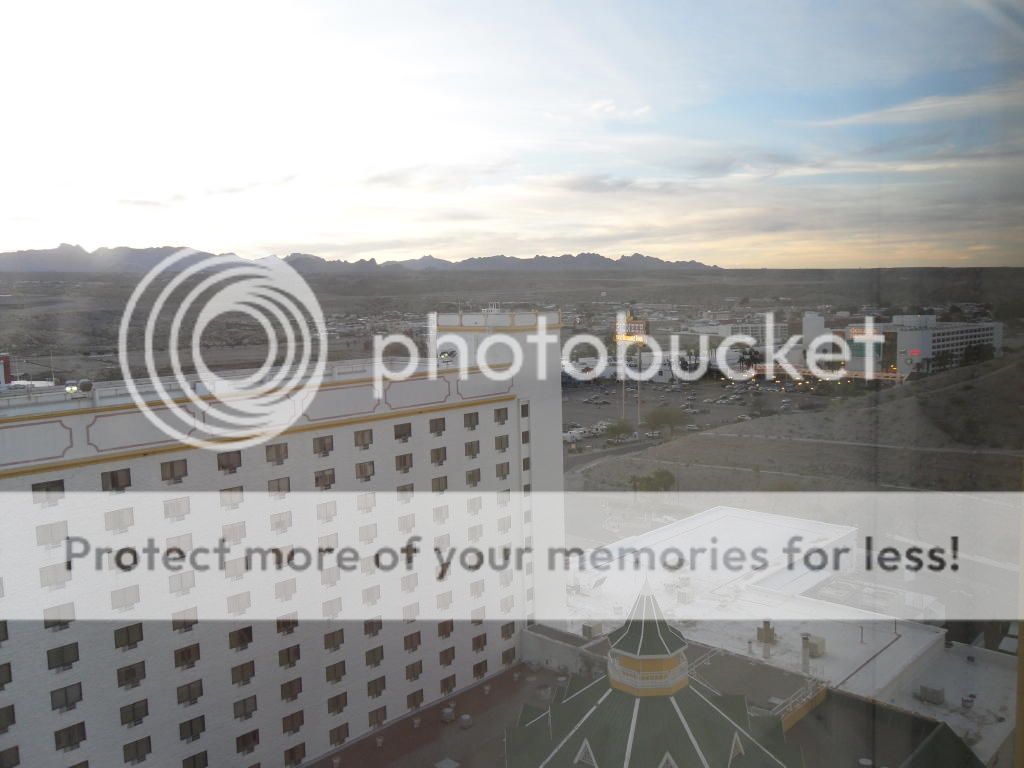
x: 646, y: 633
x: 694, y: 727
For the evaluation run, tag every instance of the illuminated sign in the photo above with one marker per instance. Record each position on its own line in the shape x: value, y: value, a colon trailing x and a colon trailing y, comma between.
x: 915, y: 352
x: 632, y: 331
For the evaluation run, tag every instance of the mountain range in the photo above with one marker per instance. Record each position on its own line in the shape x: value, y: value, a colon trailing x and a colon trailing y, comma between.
x: 75, y: 258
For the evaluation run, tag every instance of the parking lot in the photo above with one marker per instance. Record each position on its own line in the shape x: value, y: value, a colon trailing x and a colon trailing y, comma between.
x: 704, y: 405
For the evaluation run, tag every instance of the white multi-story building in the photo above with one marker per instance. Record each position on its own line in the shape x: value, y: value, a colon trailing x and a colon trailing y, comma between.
x: 242, y: 689
x: 922, y: 344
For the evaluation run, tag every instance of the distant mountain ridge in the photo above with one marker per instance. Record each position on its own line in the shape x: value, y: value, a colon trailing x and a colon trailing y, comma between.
x: 75, y: 258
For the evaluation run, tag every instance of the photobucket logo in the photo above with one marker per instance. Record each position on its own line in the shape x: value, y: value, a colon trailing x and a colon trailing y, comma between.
x: 638, y: 356
x: 186, y: 294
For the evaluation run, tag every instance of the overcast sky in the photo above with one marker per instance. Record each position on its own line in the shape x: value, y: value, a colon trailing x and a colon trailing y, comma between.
x: 745, y: 134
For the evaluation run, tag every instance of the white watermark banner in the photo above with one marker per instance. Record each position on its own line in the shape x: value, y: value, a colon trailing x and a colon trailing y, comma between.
x: 508, y: 556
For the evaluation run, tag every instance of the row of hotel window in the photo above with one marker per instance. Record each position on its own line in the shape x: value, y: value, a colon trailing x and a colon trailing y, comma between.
x: 176, y: 470
x: 67, y: 697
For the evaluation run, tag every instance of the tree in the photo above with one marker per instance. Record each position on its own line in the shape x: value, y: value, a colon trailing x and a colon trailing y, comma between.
x: 619, y: 429
x: 665, y: 417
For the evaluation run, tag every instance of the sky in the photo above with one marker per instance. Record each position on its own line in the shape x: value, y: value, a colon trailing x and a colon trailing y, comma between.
x: 753, y: 134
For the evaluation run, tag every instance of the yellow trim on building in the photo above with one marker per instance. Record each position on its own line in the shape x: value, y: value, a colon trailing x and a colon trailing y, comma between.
x: 86, y: 461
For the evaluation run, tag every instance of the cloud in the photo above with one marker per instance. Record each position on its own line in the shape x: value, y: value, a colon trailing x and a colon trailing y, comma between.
x: 936, y: 108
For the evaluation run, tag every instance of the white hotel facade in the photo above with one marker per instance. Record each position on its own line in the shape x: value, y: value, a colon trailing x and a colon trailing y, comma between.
x: 244, y: 689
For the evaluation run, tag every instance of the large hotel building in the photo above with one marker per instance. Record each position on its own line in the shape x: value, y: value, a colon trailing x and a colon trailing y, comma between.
x: 255, y: 682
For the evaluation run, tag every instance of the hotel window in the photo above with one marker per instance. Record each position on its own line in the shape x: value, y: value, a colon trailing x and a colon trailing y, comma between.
x: 446, y: 657
x: 501, y: 443
x: 524, y: 410
x: 437, y: 427
x: 294, y: 755
x: 199, y: 760
x: 472, y: 449
x: 526, y: 437
x: 10, y: 757
x: 231, y: 498
x: 508, y: 630
x: 476, y: 616
x: 367, y: 533
x: 286, y: 625
x: 414, y: 670
x: 324, y: 478
x: 189, y: 693
x: 337, y: 703
x: 410, y: 581
x: 504, y: 526
x: 52, y: 535
x: 444, y: 601
x: 69, y: 738
x: 508, y: 656
x: 448, y: 685
x: 117, y: 480
x: 63, y: 657
x: 438, y: 456
x: 480, y: 669
x: 476, y: 532
x: 526, y: 464
x: 474, y: 505
x: 509, y: 602
x: 364, y: 471
x: 330, y: 576
x: 441, y: 514
x: 187, y: 657
x: 476, y: 589
x: 243, y: 673
x: 137, y: 751
x: 500, y: 415
x: 414, y: 699
x: 372, y: 627
x: 48, y: 492
x: 331, y: 609
x: 328, y: 510
x: 471, y: 420
x: 375, y: 656
x: 405, y: 492
x: 176, y: 509
x: 293, y: 723
x: 322, y: 446
x: 365, y: 502
x: 58, y: 617
x: 229, y: 462
x: 64, y: 699
x: 279, y: 486
x: 480, y: 642
x: 439, y: 484
x: 281, y: 521
x: 412, y: 642
x: 407, y: 522
x: 277, y: 453
x: 403, y: 432
x: 334, y: 640
x: 473, y: 478
x: 289, y: 657
x: 128, y: 637
x: 132, y: 675
x: 239, y: 639
x: 334, y: 673
x: 245, y: 708
x: 410, y: 612
x: 172, y: 472
x: 378, y: 716
x: 6, y: 718
x: 233, y: 533
x: 403, y: 462
x: 119, y: 520
x: 375, y: 688
x: 55, y: 576
x: 192, y: 729
x: 445, y: 628
x: 504, y: 497
x: 291, y: 690
x: 134, y: 714
x: 501, y: 471
x: 247, y: 742
x: 338, y: 735
x: 363, y: 439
